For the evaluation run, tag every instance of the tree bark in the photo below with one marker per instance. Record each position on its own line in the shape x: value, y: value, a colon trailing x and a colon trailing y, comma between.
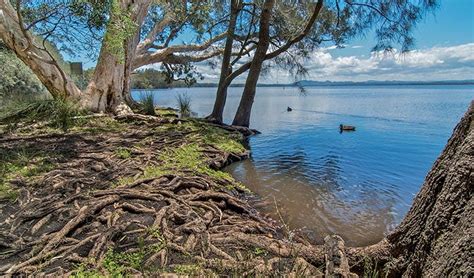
x: 242, y: 117
x: 109, y: 89
x: 226, y: 69
x: 37, y: 58
x: 436, y: 237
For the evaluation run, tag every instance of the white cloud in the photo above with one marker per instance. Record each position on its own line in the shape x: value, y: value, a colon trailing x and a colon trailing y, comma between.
x: 436, y: 63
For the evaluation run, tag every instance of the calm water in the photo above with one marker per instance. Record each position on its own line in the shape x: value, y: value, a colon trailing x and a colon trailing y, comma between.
x: 356, y: 184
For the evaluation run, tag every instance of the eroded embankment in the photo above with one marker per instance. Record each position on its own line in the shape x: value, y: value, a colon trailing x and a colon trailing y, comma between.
x: 136, y: 196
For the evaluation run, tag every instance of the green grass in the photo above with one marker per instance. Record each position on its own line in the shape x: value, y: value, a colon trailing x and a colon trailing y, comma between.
x: 59, y: 113
x: 217, y: 137
x: 123, y: 153
x: 116, y: 262
x: 184, y: 105
x: 187, y: 269
x: 222, y: 139
x: 82, y: 271
x: 259, y: 251
x: 166, y: 112
x: 189, y: 157
x: 99, y: 125
x: 147, y: 104
x: 20, y: 163
x: 370, y: 268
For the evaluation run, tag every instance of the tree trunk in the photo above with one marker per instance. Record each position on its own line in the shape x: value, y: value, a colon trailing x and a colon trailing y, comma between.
x: 109, y: 89
x: 436, y: 237
x: 221, y: 94
x: 38, y: 59
x: 242, y: 117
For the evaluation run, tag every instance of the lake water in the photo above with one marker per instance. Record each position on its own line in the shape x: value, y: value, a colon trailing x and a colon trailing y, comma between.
x: 356, y: 184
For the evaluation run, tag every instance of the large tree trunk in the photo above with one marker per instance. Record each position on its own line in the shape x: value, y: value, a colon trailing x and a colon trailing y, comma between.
x: 436, y: 237
x: 35, y: 56
x: 242, y: 117
x: 221, y: 94
x: 109, y: 89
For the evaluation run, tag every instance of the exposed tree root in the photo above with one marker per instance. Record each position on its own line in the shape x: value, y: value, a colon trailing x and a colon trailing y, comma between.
x: 78, y: 217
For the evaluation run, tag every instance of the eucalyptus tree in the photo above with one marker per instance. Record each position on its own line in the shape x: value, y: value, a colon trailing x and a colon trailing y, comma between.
x: 128, y: 34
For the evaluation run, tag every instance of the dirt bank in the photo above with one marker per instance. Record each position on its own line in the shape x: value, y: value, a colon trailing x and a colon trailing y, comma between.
x: 136, y: 196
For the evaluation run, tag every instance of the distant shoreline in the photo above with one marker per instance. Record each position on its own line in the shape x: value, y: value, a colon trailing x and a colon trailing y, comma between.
x: 307, y: 83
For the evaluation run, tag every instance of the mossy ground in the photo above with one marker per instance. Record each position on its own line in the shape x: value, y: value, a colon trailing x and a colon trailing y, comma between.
x: 188, y: 156
x: 104, y: 155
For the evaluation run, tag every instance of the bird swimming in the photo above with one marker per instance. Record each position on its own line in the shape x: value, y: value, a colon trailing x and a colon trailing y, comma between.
x: 346, y: 127
x: 289, y: 109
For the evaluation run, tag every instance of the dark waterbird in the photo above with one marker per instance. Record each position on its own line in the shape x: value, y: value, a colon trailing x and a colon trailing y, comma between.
x: 289, y: 109
x: 346, y: 128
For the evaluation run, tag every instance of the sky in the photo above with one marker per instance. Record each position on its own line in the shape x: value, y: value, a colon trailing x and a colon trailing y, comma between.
x: 444, y: 50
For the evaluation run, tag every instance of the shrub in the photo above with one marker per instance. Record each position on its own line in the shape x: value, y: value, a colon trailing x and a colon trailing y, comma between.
x: 147, y: 102
x: 184, y: 105
x: 60, y: 113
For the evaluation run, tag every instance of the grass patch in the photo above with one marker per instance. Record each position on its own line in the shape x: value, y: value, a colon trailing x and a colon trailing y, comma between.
x: 116, y: 262
x: 163, y: 112
x: 184, y: 105
x: 189, y: 157
x: 259, y: 251
x: 99, y: 125
x: 217, y: 137
x: 123, y: 181
x: 59, y: 113
x: 82, y: 271
x: 187, y: 269
x: 22, y: 163
x: 123, y: 153
x: 222, y: 139
x: 370, y: 268
x: 147, y: 104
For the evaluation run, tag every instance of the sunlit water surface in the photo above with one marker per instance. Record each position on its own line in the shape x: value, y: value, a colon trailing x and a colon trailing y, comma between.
x: 356, y: 184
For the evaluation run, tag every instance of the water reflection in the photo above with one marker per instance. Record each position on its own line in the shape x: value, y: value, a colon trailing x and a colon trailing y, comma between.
x: 312, y: 199
x: 357, y: 184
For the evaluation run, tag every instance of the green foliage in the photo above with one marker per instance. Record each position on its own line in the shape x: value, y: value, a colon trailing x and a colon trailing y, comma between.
x: 123, y: 153
x: 99, y: 125
x: 119, y: 29
x: 259, y: 251
x: 189, y: 157
x: 370, y: 268
x: 116, y: 263
x: 59, y: 113
x: 20, y: 163
x: 17, y: 81
x: 147, y: 103
x: 154, y: 79
x: 164, y: 112
x: 187, y: 269
x: 184, y: 104
x: 82, y: 271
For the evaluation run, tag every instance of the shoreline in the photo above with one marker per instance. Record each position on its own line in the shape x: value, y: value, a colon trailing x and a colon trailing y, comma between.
x: 110, y: 198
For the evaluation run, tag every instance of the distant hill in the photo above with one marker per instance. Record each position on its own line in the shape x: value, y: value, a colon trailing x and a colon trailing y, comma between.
x: 309, y: 83
x: 375, y: 83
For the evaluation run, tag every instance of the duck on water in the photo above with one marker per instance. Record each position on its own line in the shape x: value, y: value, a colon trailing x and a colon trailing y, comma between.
x: 346, y: 128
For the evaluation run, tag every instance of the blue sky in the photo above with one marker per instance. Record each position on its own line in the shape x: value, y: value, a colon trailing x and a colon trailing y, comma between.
x: 451, y: 24
x: 444, y: 50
